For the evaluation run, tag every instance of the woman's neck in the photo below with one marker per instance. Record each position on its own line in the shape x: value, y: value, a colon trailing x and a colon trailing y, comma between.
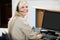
x: 20, y: 15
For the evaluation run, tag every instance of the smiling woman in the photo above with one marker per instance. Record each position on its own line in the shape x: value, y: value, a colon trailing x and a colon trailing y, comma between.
x: 18, y: 27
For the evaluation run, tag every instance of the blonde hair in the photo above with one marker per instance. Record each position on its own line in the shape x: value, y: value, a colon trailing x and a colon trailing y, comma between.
x: 13, y: 19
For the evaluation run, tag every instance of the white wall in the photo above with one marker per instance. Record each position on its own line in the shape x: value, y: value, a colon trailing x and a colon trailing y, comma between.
x: 46, y: 4
x: 31, y: 15
x: 41, y: 4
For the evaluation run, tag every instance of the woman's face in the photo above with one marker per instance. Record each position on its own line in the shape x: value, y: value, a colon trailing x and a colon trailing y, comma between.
x: 24, y: 10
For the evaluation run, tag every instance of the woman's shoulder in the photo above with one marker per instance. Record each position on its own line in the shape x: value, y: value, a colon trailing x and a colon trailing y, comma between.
x: 22, y: 20
x: 18, y: 19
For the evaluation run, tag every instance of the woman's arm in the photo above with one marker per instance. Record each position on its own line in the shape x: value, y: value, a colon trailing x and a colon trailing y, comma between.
x: 26, y: 28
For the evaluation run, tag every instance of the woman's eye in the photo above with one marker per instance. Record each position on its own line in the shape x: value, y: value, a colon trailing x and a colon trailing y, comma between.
x: 26, y: 6
x: 22, y: 7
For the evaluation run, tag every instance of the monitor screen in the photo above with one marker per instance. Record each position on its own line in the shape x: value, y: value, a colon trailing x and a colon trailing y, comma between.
x: 51, y: 20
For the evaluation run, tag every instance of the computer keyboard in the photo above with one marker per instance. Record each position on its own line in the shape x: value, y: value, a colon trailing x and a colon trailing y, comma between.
x: 49, y: 36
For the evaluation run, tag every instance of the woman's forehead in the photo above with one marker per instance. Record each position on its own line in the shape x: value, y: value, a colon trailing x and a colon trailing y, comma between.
x: 23, y: 4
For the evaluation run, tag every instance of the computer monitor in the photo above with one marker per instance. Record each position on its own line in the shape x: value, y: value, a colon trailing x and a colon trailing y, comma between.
x: 51, y: 20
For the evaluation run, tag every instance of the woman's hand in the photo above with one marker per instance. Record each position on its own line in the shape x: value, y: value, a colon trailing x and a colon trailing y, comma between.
x: 39, y: 36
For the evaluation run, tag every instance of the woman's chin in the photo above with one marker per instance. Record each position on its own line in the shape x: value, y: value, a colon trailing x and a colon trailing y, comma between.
x: 25, y: 14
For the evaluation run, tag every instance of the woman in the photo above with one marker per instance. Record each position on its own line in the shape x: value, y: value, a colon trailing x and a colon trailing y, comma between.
x: 19, y: 29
